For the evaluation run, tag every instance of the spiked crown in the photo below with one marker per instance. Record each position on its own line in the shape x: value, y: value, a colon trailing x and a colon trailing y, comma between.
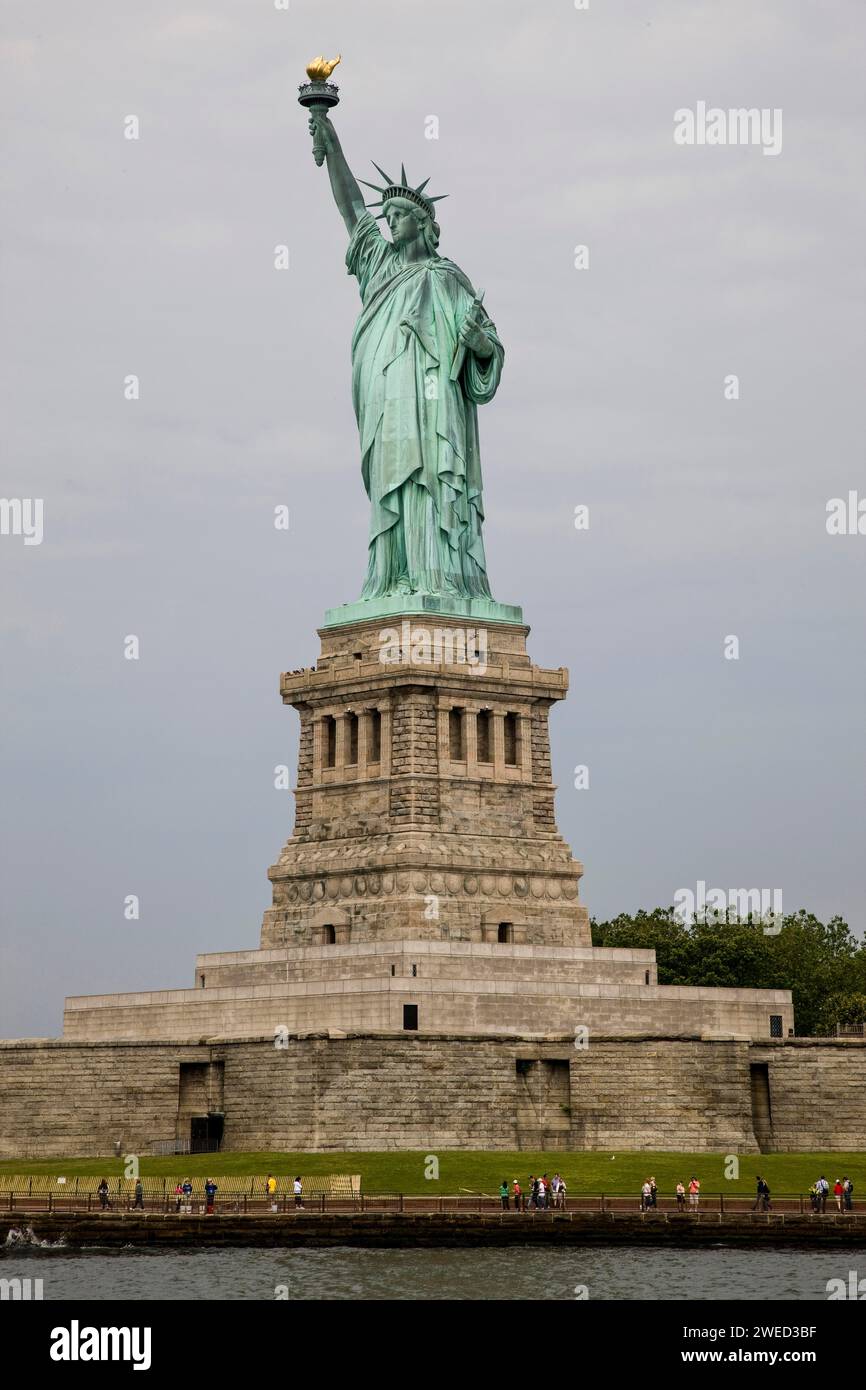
x: 402, y: 189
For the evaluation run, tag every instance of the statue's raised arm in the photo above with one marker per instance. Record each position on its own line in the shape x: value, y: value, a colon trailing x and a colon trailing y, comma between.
x: 425, y: 355
x: 347, y: 194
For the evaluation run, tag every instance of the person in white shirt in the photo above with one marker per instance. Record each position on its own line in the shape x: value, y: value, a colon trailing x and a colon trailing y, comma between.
x: 823, y: 1189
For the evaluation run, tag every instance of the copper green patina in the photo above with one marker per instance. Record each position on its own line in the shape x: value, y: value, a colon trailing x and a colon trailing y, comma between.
x: 425, y: 355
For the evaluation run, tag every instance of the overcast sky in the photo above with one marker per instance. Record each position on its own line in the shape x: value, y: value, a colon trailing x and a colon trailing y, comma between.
x: 155, y: 257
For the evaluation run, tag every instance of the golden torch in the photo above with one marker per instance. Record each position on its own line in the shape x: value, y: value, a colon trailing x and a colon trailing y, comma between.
x: 319, y: 95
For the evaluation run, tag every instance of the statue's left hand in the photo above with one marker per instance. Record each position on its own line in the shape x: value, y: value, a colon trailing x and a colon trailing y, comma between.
x: 320, y: 125
x: 474, y: 338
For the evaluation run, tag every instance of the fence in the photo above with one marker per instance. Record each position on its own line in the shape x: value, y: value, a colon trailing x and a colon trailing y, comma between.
x: 40, y: 1190
x: 342, y: 1193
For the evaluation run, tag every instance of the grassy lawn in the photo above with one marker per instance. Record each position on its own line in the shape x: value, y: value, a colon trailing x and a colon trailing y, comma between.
x: 483, y: 1172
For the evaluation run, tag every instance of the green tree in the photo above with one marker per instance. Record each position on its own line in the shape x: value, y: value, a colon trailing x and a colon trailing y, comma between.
x: 842, y: 1008
x: 815, y: 960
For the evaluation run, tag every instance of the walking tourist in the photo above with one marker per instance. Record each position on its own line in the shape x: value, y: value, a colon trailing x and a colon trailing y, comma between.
x: 139, y: 1195
x: 838, y: 1193
x: 654, y: 1193
x: 210, y: 1189
x: 681, y: 1197
x: 823, y: 1189
x: 645, y: 1196
x: 849, y: 1192
x: 503, y: 1194
x: 102, y: 1193
x: 298, y: 1190
x: 694, y: 1192
x: 187, y: 1196
x: 178, y: 1197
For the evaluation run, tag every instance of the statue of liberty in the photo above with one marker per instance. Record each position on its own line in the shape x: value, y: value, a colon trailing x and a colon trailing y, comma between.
x: 425, y: 355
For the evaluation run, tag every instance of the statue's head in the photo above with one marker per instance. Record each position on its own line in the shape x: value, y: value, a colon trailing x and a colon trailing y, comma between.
x: 408, y: 223
x: 409, y: 211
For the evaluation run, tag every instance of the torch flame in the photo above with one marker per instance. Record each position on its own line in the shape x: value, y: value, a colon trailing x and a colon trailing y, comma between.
x: 319, y: 69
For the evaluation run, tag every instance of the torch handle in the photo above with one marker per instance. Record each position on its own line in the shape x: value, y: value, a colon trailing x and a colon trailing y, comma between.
x: 318, y: 138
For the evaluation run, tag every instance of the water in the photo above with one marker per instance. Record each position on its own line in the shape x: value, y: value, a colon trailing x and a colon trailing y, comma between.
x: 607, y: 1272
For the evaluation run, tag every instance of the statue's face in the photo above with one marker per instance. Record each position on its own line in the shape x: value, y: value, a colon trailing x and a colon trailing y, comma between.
x: 403, y: 222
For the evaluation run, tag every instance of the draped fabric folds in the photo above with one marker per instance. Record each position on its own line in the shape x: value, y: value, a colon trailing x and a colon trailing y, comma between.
x: 419, y: 429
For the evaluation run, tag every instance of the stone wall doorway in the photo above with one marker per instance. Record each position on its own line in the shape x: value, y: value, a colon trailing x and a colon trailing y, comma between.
x: 543, y: 1111
x: 200, y: 1105
x: 762, y: 1113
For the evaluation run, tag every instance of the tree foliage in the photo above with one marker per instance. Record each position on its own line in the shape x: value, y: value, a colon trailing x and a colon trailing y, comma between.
x: 819, y: 962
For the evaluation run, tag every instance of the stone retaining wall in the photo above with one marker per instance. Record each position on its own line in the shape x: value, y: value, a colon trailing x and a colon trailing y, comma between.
x: 428, y: 1093
x: 395, y: 1230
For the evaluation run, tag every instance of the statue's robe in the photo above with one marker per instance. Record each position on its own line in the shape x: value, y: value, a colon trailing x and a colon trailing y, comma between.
x: 419, y: 429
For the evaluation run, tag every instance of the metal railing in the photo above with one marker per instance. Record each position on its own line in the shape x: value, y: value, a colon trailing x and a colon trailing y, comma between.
x: 243, y: 1204
x: 168, y: 1187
